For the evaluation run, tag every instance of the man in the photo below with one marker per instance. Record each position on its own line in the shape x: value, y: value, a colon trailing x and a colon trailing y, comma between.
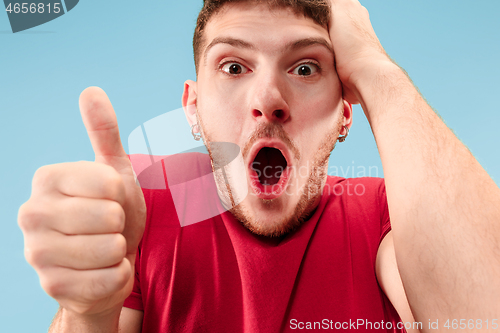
x: 278, y: 79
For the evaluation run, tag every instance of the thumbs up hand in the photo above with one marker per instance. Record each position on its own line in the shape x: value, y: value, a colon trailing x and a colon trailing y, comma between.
x: 84, y: 220
x: 102, y: 128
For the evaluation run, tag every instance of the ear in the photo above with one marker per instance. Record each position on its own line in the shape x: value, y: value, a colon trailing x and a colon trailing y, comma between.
x: 189, y: 100
x: 347, y: 116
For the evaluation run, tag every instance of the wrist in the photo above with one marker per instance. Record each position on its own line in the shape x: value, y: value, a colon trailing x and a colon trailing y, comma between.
x: 376, y: 83
x: 71, y: 321
x: 369, y: 72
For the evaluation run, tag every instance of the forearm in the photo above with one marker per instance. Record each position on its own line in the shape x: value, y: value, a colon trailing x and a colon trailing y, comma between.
x: 445, y: 209
x: 67, y: 321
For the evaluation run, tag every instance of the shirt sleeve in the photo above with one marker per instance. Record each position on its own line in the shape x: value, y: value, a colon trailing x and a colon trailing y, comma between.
x: 134, y: 301
x: 385, y: 220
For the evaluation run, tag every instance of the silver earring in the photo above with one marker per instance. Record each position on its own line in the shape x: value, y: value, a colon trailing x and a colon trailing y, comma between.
x: 196, y: 135
x: 342, y: 138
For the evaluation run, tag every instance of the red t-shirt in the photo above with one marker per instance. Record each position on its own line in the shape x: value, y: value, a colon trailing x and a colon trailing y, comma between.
x: 216, y: 276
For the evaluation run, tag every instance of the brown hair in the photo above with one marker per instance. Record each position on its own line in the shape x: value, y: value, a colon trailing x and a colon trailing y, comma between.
x: 318, y: 10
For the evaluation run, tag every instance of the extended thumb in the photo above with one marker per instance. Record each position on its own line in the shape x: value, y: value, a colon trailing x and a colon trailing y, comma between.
x: 100, y: 121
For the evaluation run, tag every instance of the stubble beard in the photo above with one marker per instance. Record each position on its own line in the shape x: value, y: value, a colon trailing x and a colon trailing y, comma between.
x: 311, y: 191
x: 305, y: 207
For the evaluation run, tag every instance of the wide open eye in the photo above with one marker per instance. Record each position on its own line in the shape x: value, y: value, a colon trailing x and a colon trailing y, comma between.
x: 233, y: 68
x: 306, y: 69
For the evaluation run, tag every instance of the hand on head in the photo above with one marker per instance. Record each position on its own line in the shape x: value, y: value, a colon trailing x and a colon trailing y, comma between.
x: 357, y: 49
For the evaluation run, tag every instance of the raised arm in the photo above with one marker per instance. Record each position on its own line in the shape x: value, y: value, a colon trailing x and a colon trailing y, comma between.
x: 444, y: 208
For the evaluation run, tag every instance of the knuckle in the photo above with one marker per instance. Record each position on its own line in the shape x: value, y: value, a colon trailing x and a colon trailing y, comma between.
x: 24, y: 216
x: 115, y: 216
x: 121, y: 245
x: 118, y: 248
x: 81, y: 165
x: 43, y: 176
x: 113, y: 185
x: 365, y: 11
x: 121, y: 279
x: 122, y: 276
x: 52, y: 286
x: 31, y: 217
x: 35, y: 256
x: 109, y: 251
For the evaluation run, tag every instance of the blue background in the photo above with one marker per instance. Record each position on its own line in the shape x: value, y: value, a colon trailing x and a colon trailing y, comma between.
x: 140, y: 54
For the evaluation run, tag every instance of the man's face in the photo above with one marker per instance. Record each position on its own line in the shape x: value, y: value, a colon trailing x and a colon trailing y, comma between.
x: 267, y: 83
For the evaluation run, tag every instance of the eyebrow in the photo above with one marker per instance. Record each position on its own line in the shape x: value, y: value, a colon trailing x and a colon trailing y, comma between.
x: 230, y: 41
x: 306, y: 42
x: 291, y: 46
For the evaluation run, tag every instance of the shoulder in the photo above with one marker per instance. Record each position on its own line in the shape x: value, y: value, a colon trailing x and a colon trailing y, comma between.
x: 362, y: 202
x: 179, y: 190
x: 364, y: 191
x: 160, y: 172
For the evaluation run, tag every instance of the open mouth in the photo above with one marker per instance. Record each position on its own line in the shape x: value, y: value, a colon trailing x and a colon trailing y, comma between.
x: 269, y: 165
x: 269, y: 170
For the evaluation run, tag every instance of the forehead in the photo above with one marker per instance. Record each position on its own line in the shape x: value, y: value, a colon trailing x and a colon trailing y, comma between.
x: 268, y: 28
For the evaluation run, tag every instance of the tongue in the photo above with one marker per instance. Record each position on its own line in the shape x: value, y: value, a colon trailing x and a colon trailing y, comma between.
x: 269, y: 164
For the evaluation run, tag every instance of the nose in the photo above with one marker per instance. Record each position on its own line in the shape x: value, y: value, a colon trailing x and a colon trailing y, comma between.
x: 269, y: 99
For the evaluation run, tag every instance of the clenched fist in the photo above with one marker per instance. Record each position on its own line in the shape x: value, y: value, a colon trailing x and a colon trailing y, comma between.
x: 84, y: 220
